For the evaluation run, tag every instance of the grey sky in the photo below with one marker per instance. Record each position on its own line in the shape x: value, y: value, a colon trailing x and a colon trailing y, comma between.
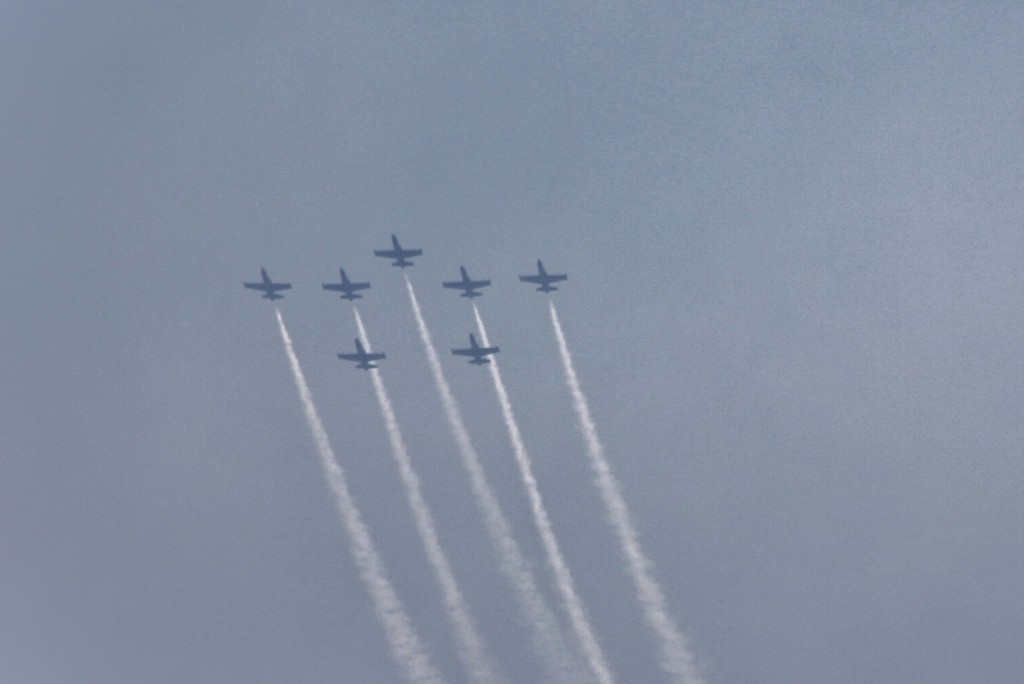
x: 793, y: 235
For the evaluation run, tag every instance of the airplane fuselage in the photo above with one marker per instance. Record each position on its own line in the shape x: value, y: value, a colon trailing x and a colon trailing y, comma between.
x: 543, y: 278
x: 267, y: 286
x: 468, y: 286
x: 362, y: 357
x: 400, y: 256
x: 346, y: 286
x: 477, y: 353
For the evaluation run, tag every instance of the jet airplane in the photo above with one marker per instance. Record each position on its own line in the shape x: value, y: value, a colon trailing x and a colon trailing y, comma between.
x: 347, y: 286
x: 469, y: 287
x: 476, y: 351
x: 267, y: 287
x: 543, y: 278
x: 400, y: 256
x: 362, y: 357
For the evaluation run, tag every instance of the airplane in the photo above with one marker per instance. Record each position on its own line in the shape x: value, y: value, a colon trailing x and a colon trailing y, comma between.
x: 400, y: 256
x: 362, y: 357
x: 347, y: 286
x: 543, y: 278
x: 476, y: 351
x: 268, y: 288
x: 469, y: 287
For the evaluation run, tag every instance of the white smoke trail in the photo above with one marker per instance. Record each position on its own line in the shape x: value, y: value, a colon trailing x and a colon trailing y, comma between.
x: 547, y: 635
x: 471, y: 648
x: 676, y: 659
x: 406, y: 648
x: 563, y: 578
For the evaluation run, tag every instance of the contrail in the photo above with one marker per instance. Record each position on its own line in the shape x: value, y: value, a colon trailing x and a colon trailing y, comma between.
x: 547, y: 635
x: 676, y: 659
x: 471, y: 649
x: 563, y: 578
x: 406, y: 648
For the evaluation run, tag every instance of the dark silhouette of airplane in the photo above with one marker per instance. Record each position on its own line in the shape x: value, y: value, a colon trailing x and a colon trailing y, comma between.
x: 268, y: 288
x: 362, y: 357
x: 400, y: 256
x: 469, y: 287
x: 347, y: 286
x: 476, y: 351
x: 543, y: 278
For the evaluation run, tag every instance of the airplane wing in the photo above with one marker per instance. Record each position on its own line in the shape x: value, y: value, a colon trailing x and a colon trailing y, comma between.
x: 342, y: 287
x: 466, y: 284
x: 398, y: 254
x: 476, y: 351
x: 362, y: 358
x: 268, y: 287
x: 543, y: 279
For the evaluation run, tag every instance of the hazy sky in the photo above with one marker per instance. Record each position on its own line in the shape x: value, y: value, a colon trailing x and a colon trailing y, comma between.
x: 794, y: 239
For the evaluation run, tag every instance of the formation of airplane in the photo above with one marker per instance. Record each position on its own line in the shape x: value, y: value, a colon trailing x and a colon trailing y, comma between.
x: 469, y: 287
x: 362, y: 357
x: 347, y: 286
x: 543, y: 278
x: 268, y: 287
x: 400, y: 256
x: 478, y: 353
